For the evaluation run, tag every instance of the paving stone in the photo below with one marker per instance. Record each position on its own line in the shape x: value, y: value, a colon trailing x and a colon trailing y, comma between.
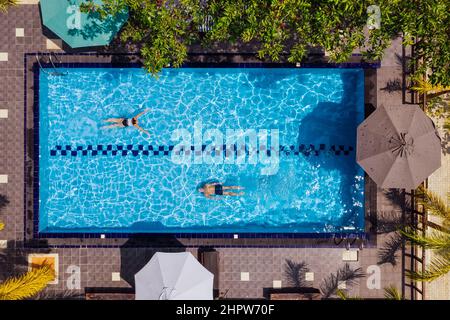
x: 20, y: 32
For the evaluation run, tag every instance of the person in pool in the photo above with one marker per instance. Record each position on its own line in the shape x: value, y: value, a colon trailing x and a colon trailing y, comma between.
x: 127, y: 122
x: 218, y: 189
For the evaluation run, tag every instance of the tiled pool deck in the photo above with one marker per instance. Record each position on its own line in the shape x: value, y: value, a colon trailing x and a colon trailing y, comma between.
x: 262, y: 259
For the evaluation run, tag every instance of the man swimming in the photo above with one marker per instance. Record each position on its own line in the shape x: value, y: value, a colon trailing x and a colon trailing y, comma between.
x: 126, y: 122
x: 217, y: 189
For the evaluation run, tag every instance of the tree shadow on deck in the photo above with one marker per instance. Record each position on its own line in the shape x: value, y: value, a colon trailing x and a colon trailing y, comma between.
x: 389, y: 222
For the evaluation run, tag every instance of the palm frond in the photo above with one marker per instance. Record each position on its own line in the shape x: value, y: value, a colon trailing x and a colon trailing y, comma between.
x: 4, y: 4
x: 26, y: 285
x: 425, y: 86
x: 343, y: 295
x: 446, y: 125
x: 436, y: 240
x: 438, y: 267
x: 392, y: 293
x: 434, y: 204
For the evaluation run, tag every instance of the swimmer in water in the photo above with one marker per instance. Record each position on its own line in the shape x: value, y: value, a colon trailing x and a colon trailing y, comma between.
x: 126, y: 122
x: 217, y: 189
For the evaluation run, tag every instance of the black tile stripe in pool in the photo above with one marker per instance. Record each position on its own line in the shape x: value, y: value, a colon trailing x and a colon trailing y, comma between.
x: 35, y: 179
x: 163, y: 150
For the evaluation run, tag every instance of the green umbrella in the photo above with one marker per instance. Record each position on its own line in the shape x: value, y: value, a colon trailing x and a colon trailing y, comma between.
x: 79, y: 29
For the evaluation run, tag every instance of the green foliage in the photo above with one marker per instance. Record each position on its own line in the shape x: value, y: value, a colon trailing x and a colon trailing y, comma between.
x: 434, y: 204
x: 286, y: 29
x: 428, y: 22
x: 344, y: 296
x: 392, y: 293
x: 164, y: 30
x: 26, y: 285
x: 5, y: 4
x: 3, y: 202
x: 439, y: 108
x: 438, y: 267
x: 437, y: 241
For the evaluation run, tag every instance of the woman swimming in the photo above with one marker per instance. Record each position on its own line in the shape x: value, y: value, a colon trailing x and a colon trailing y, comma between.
x: 217, y: 189
x: 127, y: 122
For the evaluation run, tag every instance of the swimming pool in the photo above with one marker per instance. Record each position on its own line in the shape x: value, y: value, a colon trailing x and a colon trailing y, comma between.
x: 300, y: 177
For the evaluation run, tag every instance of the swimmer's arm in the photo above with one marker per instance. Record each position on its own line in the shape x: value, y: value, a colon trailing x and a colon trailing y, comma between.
x: 142, y: 130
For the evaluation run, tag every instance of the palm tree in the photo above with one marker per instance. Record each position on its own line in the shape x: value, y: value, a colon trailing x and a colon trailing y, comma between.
x: 431, y: 90
x: 438, y: 240
x: 26, y: 285
x: 4, y: 4
x: 434, y: 204
x: 344, y: 295
x: 391, y: 293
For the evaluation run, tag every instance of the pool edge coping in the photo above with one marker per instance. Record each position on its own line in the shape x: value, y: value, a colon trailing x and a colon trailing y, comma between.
x: 364, y: 235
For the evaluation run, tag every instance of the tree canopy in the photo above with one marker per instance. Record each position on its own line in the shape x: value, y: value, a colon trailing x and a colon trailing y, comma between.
x: 164, y: 29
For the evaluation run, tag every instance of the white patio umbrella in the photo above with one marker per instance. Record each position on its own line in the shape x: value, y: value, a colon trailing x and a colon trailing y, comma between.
x: 174, y: 276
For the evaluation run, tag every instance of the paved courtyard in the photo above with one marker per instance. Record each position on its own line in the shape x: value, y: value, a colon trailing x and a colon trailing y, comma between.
x: 247, y: 266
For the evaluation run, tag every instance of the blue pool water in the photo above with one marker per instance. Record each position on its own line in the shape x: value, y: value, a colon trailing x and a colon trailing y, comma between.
x: 120, y: 180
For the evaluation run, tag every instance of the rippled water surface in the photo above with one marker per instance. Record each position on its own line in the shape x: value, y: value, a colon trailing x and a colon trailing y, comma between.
x: 144, y: 192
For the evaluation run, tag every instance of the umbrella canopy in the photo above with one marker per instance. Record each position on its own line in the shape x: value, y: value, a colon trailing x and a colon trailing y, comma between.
x: 78, y: 29
x: 398, y: 146
x: 174, y: 276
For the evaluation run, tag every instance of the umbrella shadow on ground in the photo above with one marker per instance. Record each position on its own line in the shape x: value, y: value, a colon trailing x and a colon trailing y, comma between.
x: 137, y: 252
